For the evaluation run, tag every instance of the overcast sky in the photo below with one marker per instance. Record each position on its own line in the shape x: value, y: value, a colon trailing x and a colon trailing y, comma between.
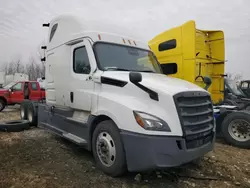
x: 21, y: 31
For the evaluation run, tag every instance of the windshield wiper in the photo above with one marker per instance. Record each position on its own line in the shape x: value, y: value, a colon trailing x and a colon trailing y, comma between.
x: 146, y: 71
x: 120, y: 69
x: 115, y: 68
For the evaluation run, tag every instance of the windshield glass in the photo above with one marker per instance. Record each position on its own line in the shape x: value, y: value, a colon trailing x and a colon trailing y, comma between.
x: 124, y: 58
x: 233, y: 86
x: 9, y: 85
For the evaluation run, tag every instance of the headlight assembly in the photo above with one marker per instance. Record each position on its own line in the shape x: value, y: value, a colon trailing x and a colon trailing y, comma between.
x: 150, y: 122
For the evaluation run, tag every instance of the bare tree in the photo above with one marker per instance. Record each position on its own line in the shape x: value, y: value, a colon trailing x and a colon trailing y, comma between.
x: 34, y: 68
x: 238, y: 77
x: 30, y: 69
x: 13, y: 67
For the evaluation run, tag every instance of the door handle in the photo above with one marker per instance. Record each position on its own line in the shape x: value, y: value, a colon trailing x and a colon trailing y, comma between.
x: 71, y: 97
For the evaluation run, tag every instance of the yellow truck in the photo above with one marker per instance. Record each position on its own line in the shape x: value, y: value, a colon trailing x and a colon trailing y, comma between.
x: 191, y: 54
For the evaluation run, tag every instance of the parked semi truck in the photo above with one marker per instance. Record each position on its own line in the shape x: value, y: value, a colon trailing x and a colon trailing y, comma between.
x: 191, y: 54
x: 234, y: 95
x: 132, y: 117
x: 197, y: 56
x: 245, y: 87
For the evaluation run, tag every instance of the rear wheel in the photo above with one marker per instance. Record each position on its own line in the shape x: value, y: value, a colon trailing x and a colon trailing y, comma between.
x: 108, y: 149
x: 23, y: 110
x: 32, y: 114
x: 236, y: 129
x: 2, y: 105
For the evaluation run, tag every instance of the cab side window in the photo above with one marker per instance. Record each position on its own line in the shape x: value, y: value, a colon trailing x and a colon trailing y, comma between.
x: 34, y: 86
x: 244, y: 85
x: 17, y: 87
x: 167, y: 45
x: 81, y: 63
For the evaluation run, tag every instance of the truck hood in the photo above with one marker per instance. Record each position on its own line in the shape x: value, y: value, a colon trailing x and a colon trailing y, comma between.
x: 2, y: 90
x: 157, y: 82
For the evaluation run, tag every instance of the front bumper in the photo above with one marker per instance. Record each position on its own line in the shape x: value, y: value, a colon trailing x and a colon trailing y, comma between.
x: 147, y: 152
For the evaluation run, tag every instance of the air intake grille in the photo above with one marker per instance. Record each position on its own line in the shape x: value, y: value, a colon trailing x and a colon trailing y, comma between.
x: 195, y: 111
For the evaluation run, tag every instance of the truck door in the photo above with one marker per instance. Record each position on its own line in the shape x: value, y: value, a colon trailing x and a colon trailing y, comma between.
x: 81, y: 85
x: 17, y: 94
x: 35, y: 93
x: 245, y: 87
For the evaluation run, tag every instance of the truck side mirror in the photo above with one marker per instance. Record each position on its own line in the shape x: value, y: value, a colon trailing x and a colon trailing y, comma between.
x: 207, y: 81
x: 135, y: 77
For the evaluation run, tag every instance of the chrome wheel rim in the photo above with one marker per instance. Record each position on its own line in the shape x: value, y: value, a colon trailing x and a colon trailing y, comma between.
x: 239, y: 129
x: 106, y: 150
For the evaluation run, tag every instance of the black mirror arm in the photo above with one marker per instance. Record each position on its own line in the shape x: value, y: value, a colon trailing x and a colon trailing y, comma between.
x: 152, y: 94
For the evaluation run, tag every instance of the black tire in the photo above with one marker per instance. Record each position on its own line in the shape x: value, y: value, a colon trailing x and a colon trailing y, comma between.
x: 2, y: 105
x: 14, y: 126
x: 32, y: 114
x: 118, y: 168
x: 23, y: 109
x: 225, y: 126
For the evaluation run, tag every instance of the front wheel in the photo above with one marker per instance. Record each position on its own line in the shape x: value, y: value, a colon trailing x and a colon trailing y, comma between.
x: 236, y: 129
x: 108, y: 149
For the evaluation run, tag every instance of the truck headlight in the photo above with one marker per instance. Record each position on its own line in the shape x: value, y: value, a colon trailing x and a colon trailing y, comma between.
x: 150, y: 122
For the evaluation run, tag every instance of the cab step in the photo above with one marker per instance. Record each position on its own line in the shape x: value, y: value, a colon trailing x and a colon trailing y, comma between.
x: 75, y: 138
x: 77, y: 120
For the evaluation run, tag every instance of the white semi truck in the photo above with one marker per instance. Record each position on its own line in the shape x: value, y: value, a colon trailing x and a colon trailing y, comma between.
x: 131, y: 116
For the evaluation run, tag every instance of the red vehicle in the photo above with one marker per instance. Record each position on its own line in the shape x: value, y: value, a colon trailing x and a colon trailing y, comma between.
x: 17, y: 92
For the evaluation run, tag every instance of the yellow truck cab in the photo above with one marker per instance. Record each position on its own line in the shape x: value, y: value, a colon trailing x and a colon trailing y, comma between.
x: 191, y: 54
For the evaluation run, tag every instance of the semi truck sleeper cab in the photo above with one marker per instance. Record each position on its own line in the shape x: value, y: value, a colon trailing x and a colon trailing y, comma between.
x: 131, y: 116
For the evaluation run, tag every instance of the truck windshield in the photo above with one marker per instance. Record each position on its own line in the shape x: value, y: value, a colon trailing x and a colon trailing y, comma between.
x: 235, y: 89
x: 124, y: 58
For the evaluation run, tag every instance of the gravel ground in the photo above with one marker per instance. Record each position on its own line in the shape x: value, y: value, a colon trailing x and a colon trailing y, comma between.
x: 36, y: 158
